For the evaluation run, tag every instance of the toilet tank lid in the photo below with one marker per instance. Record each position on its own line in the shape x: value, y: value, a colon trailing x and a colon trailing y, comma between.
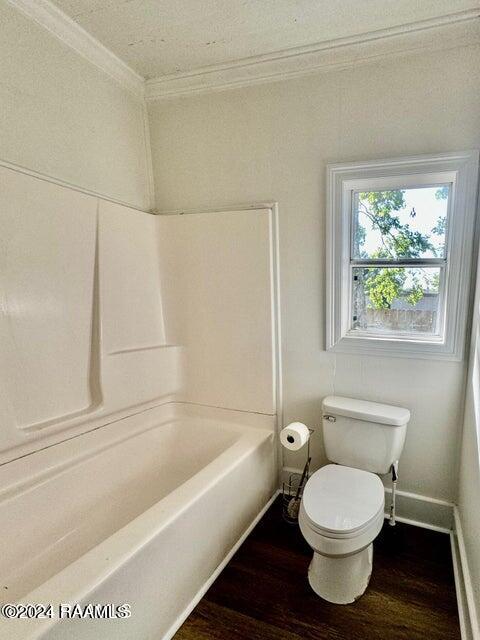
x: 363, y: 410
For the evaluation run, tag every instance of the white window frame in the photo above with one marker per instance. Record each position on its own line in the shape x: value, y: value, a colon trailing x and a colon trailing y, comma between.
x: 458, y: 169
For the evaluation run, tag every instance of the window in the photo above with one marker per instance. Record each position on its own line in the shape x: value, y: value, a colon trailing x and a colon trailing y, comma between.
x: 399, y: 246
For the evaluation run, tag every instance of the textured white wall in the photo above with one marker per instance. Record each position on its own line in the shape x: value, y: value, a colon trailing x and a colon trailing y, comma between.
x: 272, y: 142
x: 63, y: 117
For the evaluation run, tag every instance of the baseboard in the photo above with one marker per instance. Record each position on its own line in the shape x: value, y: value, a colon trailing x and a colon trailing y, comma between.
x: 469, y: 623
x: 421, y: 511
x: 204, y: 588
x: 464, y: 618
x: 412, y: 508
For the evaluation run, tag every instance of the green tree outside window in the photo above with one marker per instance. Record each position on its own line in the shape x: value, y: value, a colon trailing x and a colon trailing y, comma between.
x: 397, y: 241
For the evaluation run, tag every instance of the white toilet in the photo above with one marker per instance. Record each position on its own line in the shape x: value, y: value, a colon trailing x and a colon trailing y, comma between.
x: 342, y: 508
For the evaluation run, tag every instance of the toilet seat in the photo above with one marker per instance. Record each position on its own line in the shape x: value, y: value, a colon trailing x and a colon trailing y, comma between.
x: 342, y: 502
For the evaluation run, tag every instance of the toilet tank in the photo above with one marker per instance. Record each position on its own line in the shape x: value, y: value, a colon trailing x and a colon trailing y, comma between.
x: 364, y: 435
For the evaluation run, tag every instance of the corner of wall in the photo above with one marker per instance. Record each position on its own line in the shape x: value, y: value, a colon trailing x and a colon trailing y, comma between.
x: 150, y: 183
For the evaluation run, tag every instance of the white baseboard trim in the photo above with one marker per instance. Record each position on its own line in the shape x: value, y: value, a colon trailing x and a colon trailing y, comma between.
x: 421, y: 511
x: 204, y: 588
x: 467, y: 612
x: 465, y: 628
x: 412, y: 508
x: 418, y: 523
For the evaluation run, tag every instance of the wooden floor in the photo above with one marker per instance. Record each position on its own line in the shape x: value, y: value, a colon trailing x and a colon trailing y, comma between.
x: 263, y: 592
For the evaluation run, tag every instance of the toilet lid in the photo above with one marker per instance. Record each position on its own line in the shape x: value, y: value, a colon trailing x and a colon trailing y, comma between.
x: 341, y: 499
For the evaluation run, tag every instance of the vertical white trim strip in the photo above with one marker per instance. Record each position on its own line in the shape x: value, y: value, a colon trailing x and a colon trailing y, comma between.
x: 278, y: 345
x: 467, y: 579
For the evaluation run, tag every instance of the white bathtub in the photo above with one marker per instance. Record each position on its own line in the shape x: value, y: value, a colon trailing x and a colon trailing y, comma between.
x: 141, y: 512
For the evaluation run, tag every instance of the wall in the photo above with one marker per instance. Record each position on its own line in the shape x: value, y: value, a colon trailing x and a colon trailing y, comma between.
x: 63, y: 117
x: 272, y: 142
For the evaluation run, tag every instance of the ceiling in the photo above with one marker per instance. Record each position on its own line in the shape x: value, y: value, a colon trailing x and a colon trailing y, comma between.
x: 159, y: 37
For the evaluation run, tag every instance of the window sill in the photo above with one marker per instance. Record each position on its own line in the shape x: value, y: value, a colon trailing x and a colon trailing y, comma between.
x: 410, y: 338
x: 426, y: 349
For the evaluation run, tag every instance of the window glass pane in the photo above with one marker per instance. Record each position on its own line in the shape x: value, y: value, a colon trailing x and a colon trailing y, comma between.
x: 406, y: 223
x: 389, y: 300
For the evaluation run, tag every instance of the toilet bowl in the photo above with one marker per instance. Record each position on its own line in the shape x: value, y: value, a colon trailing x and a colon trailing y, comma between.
x: 341, y: 513
x: 342, y: 507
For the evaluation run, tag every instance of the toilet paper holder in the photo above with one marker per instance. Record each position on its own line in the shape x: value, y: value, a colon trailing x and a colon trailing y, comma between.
x: 290, y: 438
x: 295, y: 435
x: 293, y: 486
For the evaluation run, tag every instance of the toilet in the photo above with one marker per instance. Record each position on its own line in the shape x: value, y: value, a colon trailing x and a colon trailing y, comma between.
x: 343, y: 504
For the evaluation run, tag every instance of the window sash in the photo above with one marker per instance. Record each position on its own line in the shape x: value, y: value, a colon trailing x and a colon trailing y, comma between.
x: 394, y: 186
x: 441, y: 263
x: 439, y: 332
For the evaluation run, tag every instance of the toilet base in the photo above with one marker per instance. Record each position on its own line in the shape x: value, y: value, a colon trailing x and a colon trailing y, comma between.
x: 341, y: 580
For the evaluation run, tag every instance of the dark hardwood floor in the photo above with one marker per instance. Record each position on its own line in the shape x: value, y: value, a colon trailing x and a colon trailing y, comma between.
x: 263, y: 592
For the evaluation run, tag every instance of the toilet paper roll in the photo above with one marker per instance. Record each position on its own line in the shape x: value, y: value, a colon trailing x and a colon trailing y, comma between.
x: 294, y: 436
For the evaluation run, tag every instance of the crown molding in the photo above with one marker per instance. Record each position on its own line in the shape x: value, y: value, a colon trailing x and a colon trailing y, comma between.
x: 74, y: 36
x: 454, y: 30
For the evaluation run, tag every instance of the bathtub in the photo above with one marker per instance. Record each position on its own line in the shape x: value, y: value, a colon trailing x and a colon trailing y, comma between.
x: 140, y: 512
